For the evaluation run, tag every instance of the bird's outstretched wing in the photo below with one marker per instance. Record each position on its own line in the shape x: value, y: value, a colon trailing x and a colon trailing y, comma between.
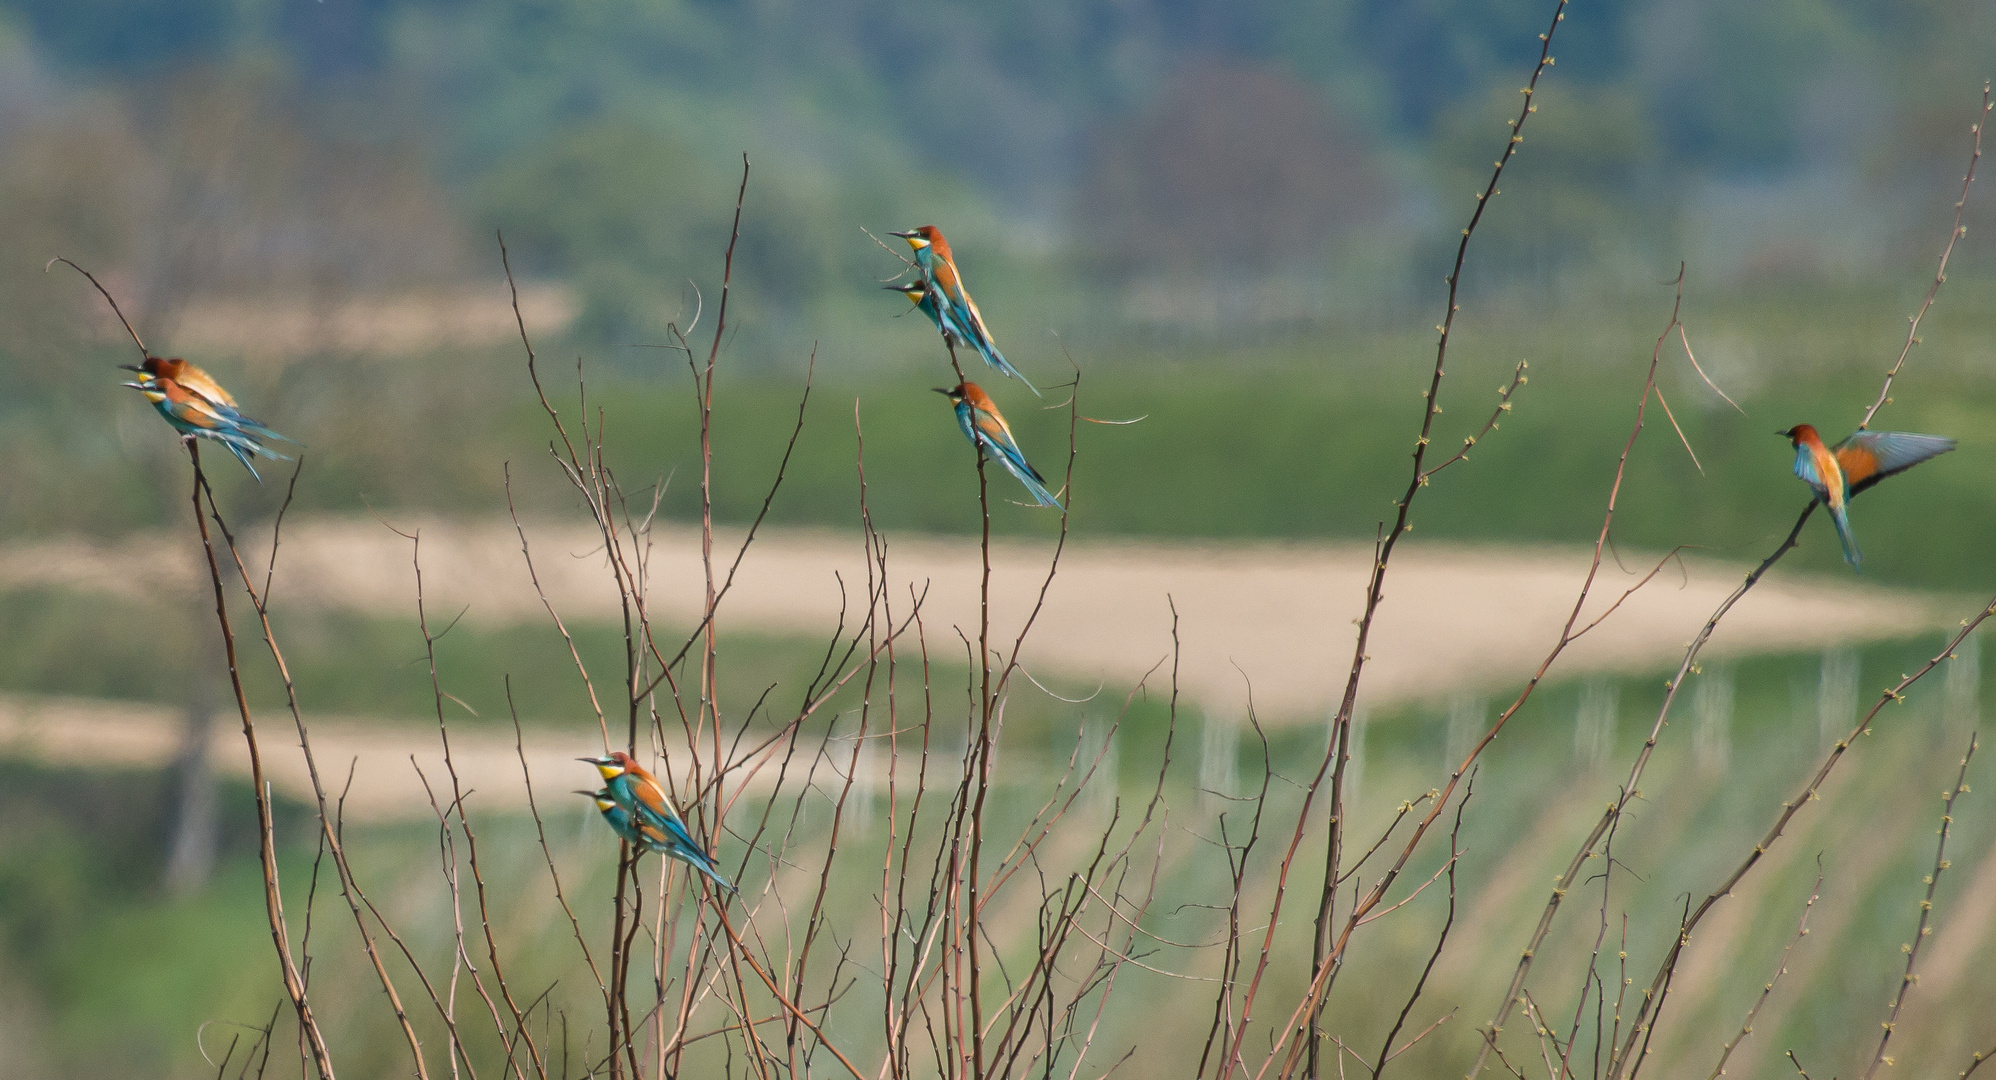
x: 1807, y: 471
x: 1870, y: 456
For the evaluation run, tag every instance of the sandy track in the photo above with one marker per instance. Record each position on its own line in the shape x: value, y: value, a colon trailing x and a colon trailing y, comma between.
x: 385, y: 785
x: 1458, y: 619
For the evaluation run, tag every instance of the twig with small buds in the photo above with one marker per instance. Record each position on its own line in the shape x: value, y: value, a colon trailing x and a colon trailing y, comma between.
x: 1766, y: 991
x: 1940, y: 274
x: 1653, y: 1000
x: 1912, y: 949
x: 1323, y: 958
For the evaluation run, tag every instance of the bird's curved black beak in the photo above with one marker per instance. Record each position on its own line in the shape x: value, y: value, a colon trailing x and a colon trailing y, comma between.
x: 1784, y: 434
x: 591, y: 794
x: 903, y: 235
x: 940, y: 390
x: 130, y: 367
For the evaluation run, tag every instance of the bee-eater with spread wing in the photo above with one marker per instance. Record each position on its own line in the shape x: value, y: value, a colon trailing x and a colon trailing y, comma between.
x: 189, y: 376
x: 1836, y: 473
x: 938, y: 266
x: 651, y: 816
x: 985, y: 427
x: 195, y: 416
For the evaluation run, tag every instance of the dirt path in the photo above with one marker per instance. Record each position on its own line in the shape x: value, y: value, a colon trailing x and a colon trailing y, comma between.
x: 1459, y: 620
x: 384, y: 785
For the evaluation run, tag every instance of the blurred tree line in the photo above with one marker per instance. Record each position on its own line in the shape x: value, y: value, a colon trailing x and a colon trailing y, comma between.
x: 1211, y: 161
x: 1131, y: 171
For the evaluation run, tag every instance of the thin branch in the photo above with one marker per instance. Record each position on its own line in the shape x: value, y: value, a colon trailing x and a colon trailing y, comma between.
x: 1688, y: 355
x: 1766, y: 991
x: 1333, y: 764
x: 1441, y: 939
x: 143, y: 354
x: 294, y: 983
x: 1940, y: 273
x: 1654, y: 999
x: 1679, y: 428
x: 1912, y: 949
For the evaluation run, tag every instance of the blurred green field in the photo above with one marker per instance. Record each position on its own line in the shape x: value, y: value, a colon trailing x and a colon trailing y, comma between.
x: 1283, y: 439
x: 91, y: 941
x: 1296, y: 439
x: 1235, y: 220
x: 1304, y: 442
x: 93, y: 646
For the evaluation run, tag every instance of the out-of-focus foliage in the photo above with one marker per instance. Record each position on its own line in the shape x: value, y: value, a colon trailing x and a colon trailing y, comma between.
x: 92, y: 949
x: 200, y: 183
x: 1157, y: 182
x: 636, y: 215
x: 1040, y: 114
x: 1234, y: 188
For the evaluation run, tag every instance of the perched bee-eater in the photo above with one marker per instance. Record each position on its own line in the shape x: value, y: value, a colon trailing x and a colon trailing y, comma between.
x: 190, y: 377
x: 932, y: 254
x: 619, y: 819
x: 985, y: 427
x: 648, y: 814
x: 1838, y: 472
x: 194, y: 416
x: 926, y: 301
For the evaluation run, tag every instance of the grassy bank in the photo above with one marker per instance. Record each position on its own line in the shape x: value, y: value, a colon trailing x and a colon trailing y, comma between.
x: 89, y: 936
x: 1293, y: 436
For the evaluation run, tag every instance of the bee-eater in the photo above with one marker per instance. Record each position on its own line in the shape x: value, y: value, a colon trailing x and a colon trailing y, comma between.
x: 1836, y: 473
x: 650, y: 814
x: 925, y: 300
x: 195, y: 416
x: 985, y: 427
x: 619, y: 819
x: 932, y: 254
x: 187, y: 375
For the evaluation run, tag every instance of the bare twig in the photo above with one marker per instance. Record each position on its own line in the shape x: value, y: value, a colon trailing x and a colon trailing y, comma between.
x: 1912, y: 948
x: 294, y: 983
x: 1767, y: 990
x: 1653, y: 1002
x: 1688, y: 355
x: 1955, y: 232
x: 1441, y: 939
x: 143, y: 354
x: 1323, y: 958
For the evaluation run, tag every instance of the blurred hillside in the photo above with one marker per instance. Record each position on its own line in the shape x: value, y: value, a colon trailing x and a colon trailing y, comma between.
x: 1235, y: 217
x: 1232, y: 216
x: 1215, y: 164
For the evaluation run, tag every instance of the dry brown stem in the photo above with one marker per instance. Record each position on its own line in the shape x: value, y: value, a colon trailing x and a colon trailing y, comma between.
x: 1912, y: 948
x: 1955, y: 232
x: 1324, y: 956
x: 1767, y: 990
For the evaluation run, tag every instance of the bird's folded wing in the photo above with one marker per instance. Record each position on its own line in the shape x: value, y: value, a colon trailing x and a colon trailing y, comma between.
x: 198, y: 413
x: 973, y: 319
x: 653, y: 807
x: 203, y: 384
x: 996, y: 427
